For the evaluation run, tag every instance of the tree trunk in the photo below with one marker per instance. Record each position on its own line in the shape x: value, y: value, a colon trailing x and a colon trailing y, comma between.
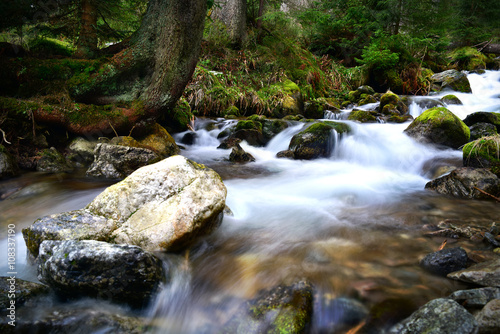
x: 233, y: 13
x: 259, y: 15
x: 152, y: 73
x: 87, y: 39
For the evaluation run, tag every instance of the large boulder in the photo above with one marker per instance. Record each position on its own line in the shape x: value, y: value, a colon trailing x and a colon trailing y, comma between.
x: 118, y: 161
x: 121, y: 273
x: 317, y: 140
x: 483, y: 152
x: 484, y: 273
x: 164, y: 206
x: 439, y: 126
x: 282, y: 309
x: 443, y: 316
x: 465, y: 182
x: 450, y: 79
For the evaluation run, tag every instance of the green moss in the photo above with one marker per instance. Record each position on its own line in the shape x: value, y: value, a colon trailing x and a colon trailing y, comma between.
x: 249, y: 125
x: 440, y: 115
x: 181, y: 116
x: 341, y: 128
x: 486, y: 149
x: 362, y: 116
x: 232, y: 111
x: 451, y: 99
x: 389, y: 98
x: 468, y: 58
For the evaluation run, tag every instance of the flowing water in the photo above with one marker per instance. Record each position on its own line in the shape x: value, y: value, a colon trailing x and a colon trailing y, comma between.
x: 351, y: 223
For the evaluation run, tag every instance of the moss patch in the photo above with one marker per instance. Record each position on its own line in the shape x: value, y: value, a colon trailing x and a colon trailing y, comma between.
x: 484, y: 152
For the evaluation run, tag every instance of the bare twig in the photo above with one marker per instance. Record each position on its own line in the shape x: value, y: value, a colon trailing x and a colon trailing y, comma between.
x: 113, y: 128
x: 488, y: 194
x: 4, y: 137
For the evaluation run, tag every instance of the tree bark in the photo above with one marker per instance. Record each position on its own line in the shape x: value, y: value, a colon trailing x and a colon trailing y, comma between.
x: 87, y: 39
x: 152, y: 73
x: 233, y: 13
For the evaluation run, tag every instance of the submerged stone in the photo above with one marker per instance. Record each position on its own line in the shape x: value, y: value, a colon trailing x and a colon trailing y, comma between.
x: 282, y: 309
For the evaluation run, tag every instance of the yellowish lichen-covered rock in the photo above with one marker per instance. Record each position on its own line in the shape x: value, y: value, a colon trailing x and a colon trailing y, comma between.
x: 163, y: 206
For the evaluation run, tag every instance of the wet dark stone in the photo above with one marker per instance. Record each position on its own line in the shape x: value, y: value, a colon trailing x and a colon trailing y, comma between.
x: 476, y: 298
x: 445, y: 261
x: 122, y: 273
x: 189, y: 138
x: 239, y: 155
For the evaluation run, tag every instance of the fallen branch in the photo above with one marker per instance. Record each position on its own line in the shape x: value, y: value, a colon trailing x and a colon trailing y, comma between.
x: 4, y: 137
x: 488, y: 194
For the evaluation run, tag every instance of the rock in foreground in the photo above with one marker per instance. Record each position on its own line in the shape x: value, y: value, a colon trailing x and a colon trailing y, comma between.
x: 441, y: 316
x: 164, y: 206
x: 464, y: 182
x: 120, y: 273
x: 485, y: 273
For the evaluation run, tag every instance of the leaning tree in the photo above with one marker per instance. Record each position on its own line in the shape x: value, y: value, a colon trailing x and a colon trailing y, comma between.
x: 148, y: 77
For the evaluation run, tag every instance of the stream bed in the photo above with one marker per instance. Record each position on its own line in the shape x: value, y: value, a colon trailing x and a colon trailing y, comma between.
x: 350, y: 224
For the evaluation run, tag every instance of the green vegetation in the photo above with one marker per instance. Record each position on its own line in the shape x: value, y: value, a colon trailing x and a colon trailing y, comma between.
x: 483, y: 152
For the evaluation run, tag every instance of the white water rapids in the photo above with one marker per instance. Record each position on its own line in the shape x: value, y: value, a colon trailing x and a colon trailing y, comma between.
x: 344, y: 222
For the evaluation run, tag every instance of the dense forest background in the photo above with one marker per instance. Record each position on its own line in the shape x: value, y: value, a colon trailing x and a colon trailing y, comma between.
x: 253, y: 53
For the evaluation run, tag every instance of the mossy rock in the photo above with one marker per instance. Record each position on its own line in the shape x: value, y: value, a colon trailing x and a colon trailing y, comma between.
x: 316, y: 141
x: 450, y: 79
x: 468, y: 59
x: 249, y: 125
x: 353, y: 96
x: 314, y: 109
x: 282, y: 309
x: 393, y: 99
x: 52, y: 161
x: 232, y: 111
x: 160, y: 142
x: 484, y: 117
x: 329, y: 103
x: 389, y: 109
x: 396, y: 118
x: 451, y: 99
x: 483, y: 152
x: 367, y: 99
x: 362, y: 116
x: 256, y: 118
x: 439, y: 126
x: 271, y: 128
